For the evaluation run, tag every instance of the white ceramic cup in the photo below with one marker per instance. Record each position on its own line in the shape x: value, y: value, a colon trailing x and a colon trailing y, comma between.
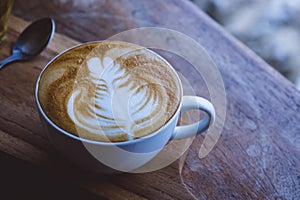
x: 110, y: 157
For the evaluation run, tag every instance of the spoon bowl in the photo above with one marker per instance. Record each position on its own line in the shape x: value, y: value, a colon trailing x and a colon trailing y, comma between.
x: 31, y: 41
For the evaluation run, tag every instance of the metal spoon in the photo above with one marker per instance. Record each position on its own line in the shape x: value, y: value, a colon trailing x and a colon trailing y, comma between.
x: 31, y: 41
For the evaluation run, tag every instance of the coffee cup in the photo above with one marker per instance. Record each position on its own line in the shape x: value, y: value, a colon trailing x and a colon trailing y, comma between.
x: 111, y: 106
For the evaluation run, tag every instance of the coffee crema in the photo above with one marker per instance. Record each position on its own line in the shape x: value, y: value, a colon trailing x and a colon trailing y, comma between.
x: 109, y: 91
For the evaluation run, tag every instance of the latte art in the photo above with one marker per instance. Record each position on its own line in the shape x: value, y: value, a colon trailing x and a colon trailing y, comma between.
x: 109, y: 91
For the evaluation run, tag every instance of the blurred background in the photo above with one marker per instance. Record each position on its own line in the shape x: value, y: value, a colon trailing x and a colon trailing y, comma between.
x: 271, y: 28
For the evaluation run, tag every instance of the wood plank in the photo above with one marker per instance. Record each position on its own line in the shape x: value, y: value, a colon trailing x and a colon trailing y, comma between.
x: 257, y: 156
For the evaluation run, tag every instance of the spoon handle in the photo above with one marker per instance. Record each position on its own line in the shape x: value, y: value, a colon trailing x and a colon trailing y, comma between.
x: 15, y: 56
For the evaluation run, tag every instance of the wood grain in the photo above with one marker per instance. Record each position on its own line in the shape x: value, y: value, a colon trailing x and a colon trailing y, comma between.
x: 257, y: 156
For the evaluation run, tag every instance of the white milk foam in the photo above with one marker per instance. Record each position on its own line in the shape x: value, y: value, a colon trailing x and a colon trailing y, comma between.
x: 115, y: 107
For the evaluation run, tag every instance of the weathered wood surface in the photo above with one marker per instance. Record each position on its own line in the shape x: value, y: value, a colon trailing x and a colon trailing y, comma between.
x: 257, y: 156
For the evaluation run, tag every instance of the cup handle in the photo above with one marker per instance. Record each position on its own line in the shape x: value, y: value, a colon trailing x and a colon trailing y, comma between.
x: 194, y: 102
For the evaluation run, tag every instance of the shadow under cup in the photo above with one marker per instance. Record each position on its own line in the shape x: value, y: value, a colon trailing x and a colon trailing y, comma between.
x: 127, y: 156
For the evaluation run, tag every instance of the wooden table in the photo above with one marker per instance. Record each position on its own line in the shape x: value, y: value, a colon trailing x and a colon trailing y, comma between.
x: 256, y: 157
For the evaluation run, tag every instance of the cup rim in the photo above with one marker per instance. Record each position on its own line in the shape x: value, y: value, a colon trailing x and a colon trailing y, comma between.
x: 121, y: 143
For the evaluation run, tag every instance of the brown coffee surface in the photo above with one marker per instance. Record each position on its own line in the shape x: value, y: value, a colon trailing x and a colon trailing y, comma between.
x: 109, y: 91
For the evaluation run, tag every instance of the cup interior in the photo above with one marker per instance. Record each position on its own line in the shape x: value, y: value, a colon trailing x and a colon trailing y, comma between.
x: 61, y: 130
